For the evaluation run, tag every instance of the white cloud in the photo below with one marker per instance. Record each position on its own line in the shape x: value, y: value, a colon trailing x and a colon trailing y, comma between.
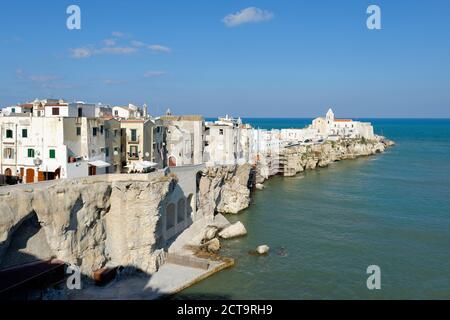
x: 121, y: 44
x: 80, y: 53
x: 116, y: 50
x: 42, y: 78
x: 48, y: 81
x: 109, y: 42
x: 154, y: 74
x: 248, y: 15
x: 135, y: 43
x: 159, y: 48
x: 118, y: 34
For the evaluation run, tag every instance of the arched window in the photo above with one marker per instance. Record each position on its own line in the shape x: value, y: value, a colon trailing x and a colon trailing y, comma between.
x: 181, y: 211
x: 170, y: 216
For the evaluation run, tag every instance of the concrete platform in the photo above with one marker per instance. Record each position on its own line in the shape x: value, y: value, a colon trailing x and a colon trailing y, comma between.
x: 170, y: 279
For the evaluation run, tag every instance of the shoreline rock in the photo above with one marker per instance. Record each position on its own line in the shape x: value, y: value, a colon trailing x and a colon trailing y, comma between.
x: 263, y: 249
x: 235, y: 230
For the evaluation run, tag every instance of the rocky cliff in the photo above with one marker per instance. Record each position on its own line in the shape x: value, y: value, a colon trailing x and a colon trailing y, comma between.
x: 87, y: 222
x: 295, y: 159
x: 224, y: 189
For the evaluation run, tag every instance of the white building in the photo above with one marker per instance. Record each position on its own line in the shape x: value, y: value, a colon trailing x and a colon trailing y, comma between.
x: 130, y: 112
x: 184, y: 139
x: 333, y: 128
x: 47, y: 148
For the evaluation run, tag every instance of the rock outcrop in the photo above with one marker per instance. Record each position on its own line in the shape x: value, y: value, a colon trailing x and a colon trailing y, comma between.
x: 89, y: 223
x: 235, y: 230
x: 224, y: 189
x: 299, y: 158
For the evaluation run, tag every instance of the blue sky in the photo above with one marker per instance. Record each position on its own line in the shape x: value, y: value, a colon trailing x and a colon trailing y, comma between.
x: 300, y: 58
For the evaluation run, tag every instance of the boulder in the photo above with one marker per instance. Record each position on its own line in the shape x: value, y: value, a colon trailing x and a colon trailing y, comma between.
x: 235, y: 230
x: 263, y: 249
x: 210, y: 233
x: 259, y: 186
x: 213, y: 245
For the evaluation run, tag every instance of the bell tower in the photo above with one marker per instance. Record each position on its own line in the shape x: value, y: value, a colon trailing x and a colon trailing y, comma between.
x: 330, y: 116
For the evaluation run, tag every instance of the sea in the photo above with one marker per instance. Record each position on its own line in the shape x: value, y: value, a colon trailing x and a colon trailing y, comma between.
x: 325, y: 227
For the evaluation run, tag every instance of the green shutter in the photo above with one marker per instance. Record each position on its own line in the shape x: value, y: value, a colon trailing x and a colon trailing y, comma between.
x: 30, y: 153
x: 52, y: 154
x: 24, y: 133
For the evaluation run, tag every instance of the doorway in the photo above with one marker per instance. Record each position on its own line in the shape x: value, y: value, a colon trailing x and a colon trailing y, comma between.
x: 29, y: 176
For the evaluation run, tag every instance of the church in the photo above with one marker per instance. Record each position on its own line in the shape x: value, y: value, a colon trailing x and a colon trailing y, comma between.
x: 334, y: 128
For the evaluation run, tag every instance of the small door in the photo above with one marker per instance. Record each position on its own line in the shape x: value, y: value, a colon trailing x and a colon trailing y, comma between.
x: 29, y: 176
x: 58, y: 173
x: 92, y: 170
x: 41, y: 176
x: 8, y: 172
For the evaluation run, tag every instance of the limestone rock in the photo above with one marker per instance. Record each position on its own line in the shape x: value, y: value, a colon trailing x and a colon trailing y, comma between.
x: 259, y: 186
x: 263, y: 249
x: 213, y: 245
x: 88, y: 222
x: 224, y: 189
x: 235, y: 230
x: 210, y: 233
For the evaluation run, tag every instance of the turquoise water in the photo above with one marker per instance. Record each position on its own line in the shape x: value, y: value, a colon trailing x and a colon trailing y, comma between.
x: 326, y: 226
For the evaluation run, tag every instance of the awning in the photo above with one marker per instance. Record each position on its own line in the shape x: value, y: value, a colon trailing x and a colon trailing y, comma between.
x: 146, y: 164
x: 49, y: 167
x: 99, y: 164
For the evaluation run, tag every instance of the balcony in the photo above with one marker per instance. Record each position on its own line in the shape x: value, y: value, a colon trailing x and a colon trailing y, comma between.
x: 133, y: 156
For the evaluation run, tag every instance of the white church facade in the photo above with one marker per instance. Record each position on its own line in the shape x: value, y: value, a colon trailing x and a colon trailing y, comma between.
x: 332, y: 127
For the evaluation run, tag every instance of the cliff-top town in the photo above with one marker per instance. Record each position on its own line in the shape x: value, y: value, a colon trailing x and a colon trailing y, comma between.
x: 99, y: 215
x: 52, y: 139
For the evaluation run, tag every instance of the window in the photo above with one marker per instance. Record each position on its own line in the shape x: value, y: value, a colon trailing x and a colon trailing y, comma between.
x: 55, y: 111
x: 115, y: 133
x: 221, y: 132
x: 9, y: 133
x: 116, y: 113
x: 133, y: 135
x: 94, y: 131
x: 106, y: 133
x: 101, y: 129
x: 8, y: 153
x: 30, y: 153
x: 134, y: 152
x: 24, y: 133
x: 78, y: 131
x: 52, y: 154
x: 106, y: 152
x: 80, y: 112
x: 13, y: 110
